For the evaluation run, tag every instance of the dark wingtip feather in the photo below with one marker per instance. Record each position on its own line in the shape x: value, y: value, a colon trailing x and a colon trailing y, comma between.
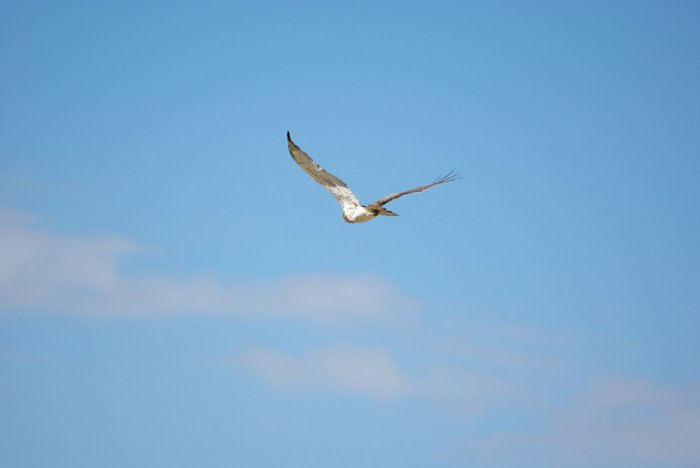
x: 449, y: 177
x: 289, y: 138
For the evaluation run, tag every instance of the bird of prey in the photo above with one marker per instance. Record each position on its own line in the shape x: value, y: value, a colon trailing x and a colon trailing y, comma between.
x: 353, y: 210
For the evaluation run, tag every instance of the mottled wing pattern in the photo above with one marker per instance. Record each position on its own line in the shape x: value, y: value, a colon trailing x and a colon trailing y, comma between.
x: 335, y: 186
x: 440, y: 180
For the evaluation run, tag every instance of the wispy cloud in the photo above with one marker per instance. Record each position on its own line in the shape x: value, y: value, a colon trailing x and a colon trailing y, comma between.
x: 461, y: 392
x: 373, y: 372
x: 343, y: 369
x: 630, y: 421
x: 608, y: 422
x: 613, y: 422
x: 38, y: 268
x: 44, y: 271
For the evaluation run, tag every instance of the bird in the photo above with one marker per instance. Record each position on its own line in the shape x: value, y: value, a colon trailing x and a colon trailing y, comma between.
x: 353, y: 210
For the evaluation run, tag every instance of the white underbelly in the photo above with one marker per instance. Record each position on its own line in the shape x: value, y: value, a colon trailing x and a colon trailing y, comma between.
x: 358, y: 214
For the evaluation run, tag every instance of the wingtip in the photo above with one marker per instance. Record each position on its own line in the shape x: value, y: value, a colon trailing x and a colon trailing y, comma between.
x: 449, y: 177
x: 289, y: 138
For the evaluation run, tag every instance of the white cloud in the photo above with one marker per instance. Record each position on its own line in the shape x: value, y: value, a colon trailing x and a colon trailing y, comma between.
x: 461, y: 392
x: 614, y: 422
x: 375, y: 373
x: 343, y: 369
x: 631, y: 422
x: 38, y: 268
x: 42, y: 271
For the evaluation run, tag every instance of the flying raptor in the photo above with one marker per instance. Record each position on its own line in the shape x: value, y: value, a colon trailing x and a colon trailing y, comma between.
x: 353, y: 210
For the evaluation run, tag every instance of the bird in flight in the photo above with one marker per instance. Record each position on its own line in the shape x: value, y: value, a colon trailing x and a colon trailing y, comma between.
x: 353, y: 210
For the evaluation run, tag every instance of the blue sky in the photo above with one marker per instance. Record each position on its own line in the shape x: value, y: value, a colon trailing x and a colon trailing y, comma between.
x: 175, y: 291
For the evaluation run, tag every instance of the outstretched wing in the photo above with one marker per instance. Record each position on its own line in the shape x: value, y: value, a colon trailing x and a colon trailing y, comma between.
x: 335, y: 186
x: 440, y: 180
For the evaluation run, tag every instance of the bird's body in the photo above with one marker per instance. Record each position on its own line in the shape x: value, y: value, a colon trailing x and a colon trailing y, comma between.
x: 358, y: 214
x: 353, y: 210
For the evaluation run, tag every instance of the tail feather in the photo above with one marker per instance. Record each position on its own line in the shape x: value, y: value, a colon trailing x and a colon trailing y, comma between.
x: 383, y: 211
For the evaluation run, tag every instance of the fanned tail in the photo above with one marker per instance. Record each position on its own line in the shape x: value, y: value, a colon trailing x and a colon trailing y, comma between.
x: 383, y: 211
